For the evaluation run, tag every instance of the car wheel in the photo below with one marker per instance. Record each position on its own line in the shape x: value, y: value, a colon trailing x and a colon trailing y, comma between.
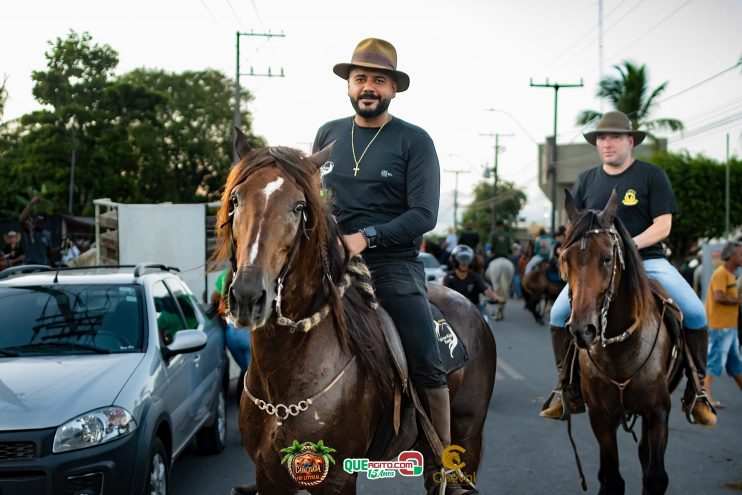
x: 213, y: 439
x: 158, y: 470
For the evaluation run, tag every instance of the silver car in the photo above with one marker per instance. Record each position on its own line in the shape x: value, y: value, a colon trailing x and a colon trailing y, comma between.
x: 106, y: 374
x: 434, y: 271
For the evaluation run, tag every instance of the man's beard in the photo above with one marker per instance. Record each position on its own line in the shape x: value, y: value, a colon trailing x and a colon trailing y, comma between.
x: 370, y: 113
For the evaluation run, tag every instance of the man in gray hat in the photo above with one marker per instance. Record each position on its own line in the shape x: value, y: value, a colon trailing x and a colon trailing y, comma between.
x: 384, y: 177
x: 646, y: 208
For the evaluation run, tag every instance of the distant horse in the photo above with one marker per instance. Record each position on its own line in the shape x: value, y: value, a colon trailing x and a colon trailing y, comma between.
x: 539, y: 292
x: 320, y: 368
x: 618, y: 322
x: 500, y: 274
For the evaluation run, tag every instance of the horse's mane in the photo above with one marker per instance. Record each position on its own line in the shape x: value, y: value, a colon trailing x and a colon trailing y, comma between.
x: 357, y: 327
x: 635, y: 283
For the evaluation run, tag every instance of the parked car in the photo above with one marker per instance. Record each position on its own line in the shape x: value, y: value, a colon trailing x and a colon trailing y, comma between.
x: 106, y: 374
x: 434, y: 271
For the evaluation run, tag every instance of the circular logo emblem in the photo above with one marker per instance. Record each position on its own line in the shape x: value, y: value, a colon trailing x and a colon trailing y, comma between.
x: 629, y: 198
x: 326, y: 168
x: 308, y: 463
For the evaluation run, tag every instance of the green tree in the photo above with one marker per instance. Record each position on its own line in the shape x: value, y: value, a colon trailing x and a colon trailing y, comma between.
x: 699, y: 184
x: 508, y: 204
x: 3, y: 96
x: 146, y: 136
x: 186, y: 157
x: 630, y: 93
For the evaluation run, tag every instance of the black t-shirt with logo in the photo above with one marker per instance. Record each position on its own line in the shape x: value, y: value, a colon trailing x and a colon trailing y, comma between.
x: 471, y: 286
x: 644, y: 193
x: 397, y: 187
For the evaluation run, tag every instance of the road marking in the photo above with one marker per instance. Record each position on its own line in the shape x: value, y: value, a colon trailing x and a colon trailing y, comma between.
x: 509, y: 370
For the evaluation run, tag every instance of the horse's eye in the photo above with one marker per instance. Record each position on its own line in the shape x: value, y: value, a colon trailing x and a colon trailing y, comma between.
x: 299, y: 208
x: 607, y: 260
x: 235, y: 201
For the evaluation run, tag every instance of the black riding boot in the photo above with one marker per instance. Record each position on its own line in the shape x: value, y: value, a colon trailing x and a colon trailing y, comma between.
x: 439, y: 406
x: 566, y: 395
x: 696, y: 405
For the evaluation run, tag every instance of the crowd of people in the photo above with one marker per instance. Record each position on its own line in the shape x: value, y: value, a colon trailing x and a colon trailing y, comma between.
x: 32, y: 243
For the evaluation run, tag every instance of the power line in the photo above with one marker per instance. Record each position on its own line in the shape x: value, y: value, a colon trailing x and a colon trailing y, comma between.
x: 239, y: 21
x: 710, y: 78
x: 651, y: 28
x: 257, y: 14
x: 213, y: 17
x: 708, y: 127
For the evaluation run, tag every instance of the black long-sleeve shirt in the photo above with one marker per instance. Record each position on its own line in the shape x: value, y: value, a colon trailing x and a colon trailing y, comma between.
x: 396, y: 189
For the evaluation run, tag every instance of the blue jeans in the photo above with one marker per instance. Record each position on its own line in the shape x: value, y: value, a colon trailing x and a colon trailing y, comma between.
x: 238, y: 343
x: 694, y: 314
x: 724, y: 352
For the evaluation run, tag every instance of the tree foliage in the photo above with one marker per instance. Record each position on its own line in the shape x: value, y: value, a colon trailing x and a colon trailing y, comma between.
x: 508, y: 204
x: 699, y: 185
x: 630, y: 93
x: 145, y: 136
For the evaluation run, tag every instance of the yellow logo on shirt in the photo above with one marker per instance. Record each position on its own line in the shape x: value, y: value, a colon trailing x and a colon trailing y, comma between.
x: 629, y: 199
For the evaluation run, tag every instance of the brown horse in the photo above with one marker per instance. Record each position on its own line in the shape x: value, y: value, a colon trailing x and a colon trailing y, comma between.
x: 625, y: 350
x: 328, y: 376
x: 539, y: 292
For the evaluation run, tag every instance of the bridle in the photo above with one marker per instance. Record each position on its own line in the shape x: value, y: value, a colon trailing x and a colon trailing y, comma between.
x: 617, y: 249
x: 304, y: 324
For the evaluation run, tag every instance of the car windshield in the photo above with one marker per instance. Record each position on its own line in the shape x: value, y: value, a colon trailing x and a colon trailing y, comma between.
x: 429, y: 260
x: 50, y: 320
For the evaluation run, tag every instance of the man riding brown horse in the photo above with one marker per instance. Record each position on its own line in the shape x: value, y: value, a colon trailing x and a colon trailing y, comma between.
x: 646, y: 209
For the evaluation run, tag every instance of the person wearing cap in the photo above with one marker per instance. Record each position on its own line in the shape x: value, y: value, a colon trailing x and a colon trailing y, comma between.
x: 36, y: 238
x: 13, y: 251
x: 384, y: 178
x: 646, y: 207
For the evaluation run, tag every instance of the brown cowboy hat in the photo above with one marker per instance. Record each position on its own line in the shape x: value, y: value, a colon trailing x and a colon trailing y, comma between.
x: 374, y: 53
x: 614, y: 123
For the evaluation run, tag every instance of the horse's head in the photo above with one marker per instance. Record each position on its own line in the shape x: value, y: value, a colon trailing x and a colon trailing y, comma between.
x: 265, y: 212
x: 591, y: 261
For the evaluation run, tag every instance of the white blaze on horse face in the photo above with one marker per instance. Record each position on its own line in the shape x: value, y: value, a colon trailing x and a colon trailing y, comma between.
x: 268, y: 190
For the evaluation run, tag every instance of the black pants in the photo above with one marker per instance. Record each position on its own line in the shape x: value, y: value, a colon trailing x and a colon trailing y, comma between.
x: 400, y: 289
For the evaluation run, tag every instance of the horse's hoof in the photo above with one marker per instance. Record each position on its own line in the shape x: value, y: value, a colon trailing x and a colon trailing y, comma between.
x: 245, y: 490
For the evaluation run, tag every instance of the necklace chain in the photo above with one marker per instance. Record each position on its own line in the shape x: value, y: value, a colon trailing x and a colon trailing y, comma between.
x: 353, y: 143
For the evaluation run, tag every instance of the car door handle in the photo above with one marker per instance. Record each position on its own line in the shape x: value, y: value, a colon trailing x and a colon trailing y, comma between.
x: 196, y: 359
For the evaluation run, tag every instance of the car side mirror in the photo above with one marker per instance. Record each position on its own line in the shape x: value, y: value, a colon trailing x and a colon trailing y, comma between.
x: 185, y: 341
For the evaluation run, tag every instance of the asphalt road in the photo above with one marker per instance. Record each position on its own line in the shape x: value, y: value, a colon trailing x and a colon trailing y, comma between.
x: 525, y: 454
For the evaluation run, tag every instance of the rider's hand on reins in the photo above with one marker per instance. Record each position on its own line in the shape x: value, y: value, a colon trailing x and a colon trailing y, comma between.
x: 356, y: 243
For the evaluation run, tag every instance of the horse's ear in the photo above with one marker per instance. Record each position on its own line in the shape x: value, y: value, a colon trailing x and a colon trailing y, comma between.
x: 569, y: 205
x: 605, y: 217
x: 240, y: 144
x: 321, y: 157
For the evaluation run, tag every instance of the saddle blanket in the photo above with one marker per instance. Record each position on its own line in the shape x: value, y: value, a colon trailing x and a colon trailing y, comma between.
x: 453, y: 352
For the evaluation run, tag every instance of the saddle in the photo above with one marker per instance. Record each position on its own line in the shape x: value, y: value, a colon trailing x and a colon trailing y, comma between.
x: 402, y: 418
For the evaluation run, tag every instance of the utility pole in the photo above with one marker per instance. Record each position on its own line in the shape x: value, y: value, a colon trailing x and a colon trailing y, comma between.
x: 456, y: 196
x: 252, y: 73
x: 553, y: 164
x: 498, y: 148
x: 726, y: 199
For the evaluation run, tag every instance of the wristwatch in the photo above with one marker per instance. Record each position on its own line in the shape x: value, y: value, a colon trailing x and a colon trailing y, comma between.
x: 369, y: 234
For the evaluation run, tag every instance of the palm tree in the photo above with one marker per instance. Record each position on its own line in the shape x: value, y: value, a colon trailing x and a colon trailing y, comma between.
x: 630, y: 94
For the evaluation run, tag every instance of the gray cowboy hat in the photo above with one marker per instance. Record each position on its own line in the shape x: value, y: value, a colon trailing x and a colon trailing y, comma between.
x: 614, y: 123
x: 374, y: 53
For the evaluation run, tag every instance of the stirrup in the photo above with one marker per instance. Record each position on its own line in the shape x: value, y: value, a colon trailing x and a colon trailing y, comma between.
x: 568, y: 400
x: 689, y: 403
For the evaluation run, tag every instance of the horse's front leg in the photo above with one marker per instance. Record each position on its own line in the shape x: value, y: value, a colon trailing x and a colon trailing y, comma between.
x: 652, y: 452
x: 604, y: 428
x: 342, y: 484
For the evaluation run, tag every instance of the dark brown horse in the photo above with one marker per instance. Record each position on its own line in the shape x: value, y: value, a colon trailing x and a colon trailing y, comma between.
x: 320, y: 367
x: 539, y: 292
x: 625, y: 350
